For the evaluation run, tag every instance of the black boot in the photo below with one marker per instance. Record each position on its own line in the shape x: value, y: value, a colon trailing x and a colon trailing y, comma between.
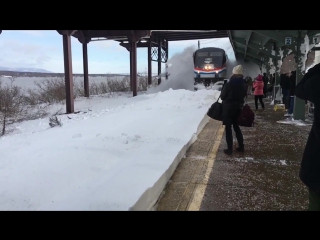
x: 240, y: 149
x: 227, y: 151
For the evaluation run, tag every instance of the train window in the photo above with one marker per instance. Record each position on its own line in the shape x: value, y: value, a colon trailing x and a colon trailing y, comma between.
x: 216, y: 54
x: 202, y: 54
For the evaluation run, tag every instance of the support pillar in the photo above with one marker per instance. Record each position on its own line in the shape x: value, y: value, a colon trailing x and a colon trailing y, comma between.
x: 149, y: 63
x: 317, y: 57
x: 276, y: 86
x: 130, y: 52
x: 133, y: 65
x: 277, y: 66
x: 267, y: 67
x: 85, y: 68
x: 167, y: 57
x: 68, y: 72
x: 299, y: 110
x: 159, y: 61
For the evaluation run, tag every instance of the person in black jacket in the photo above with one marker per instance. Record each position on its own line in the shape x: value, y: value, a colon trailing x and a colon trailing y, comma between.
x: 265, y: 81
x: 232, y: 97
x: 309, y: 89
x: 285, y: 86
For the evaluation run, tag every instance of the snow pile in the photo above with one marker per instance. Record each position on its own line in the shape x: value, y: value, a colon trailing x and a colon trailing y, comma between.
x: 115, y: 154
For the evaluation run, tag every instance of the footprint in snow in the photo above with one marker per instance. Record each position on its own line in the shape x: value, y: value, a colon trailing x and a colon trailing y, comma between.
x: 77, y: 135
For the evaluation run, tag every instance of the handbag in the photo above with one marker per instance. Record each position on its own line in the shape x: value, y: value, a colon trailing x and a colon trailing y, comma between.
x: 246, y: 117
x: 215, y: 111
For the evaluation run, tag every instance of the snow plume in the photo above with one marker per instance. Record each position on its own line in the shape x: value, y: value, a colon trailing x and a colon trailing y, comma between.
x: 249, y: 68
x: 180, y: 69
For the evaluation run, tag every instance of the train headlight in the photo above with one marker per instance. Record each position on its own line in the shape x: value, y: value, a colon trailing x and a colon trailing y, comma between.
x: 209, y: 66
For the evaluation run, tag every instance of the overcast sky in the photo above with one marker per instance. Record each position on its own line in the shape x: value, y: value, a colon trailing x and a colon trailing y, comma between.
x: 43, y: 49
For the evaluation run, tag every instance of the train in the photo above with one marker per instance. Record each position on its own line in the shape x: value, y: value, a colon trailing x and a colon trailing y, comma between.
x: 210, y: 65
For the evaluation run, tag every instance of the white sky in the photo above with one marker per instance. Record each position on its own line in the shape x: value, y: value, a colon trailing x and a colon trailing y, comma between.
x: 43, y: 49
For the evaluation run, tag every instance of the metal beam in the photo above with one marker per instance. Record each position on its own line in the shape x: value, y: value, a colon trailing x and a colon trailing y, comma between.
x: 258, y: 57
x: 299, y: 104
x: 167, y: 57
x: 264, y: 42
x: 159, y: 61
x: 252, y: 59
x: 139, y: 45
x: 85, y: 68
x: 149, y: 63
x: 68, y: 73
x: 72, y: 32
x: 247, y: 42
x: 252, y: 46
x: 181, y: 37
x: 133, y: 60
x: 275, y: 35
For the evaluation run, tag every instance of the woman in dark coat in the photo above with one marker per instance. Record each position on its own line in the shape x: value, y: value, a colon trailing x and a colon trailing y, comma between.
x: 309, y: 89
x: 232, y: 97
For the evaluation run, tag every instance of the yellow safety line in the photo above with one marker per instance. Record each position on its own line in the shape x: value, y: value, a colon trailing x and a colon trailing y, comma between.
x: 200, y: 189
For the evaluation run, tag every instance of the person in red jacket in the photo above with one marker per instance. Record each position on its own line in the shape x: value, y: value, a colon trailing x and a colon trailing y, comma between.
x: 258, y: 86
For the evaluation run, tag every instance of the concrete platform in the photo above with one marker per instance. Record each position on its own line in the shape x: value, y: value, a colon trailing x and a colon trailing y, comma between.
x: 264, y: 178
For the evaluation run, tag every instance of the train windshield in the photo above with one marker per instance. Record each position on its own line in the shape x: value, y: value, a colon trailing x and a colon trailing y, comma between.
x: 215, y: 58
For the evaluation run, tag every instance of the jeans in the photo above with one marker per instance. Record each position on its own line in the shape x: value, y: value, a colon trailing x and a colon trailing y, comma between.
x: 229, y: 137
x: 285, y: 98
x: 291, y: 105
x: 260, y: 97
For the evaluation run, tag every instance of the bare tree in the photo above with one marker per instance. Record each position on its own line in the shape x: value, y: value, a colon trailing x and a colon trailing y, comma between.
x: 12, y: 105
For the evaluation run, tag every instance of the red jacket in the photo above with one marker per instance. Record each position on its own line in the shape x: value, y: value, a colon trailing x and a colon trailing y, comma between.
x: 258, y: 87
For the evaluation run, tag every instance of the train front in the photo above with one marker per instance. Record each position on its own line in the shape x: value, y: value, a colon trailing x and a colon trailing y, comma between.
x: 209, y: 67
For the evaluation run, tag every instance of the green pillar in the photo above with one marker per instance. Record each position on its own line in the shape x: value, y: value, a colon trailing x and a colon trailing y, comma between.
x: 299, y: 110
x: 277, y: 76
x: 277, y: 73
x: 266, y: 64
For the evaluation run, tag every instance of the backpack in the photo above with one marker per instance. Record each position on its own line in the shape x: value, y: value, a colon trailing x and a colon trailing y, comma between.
x: 246, y: 118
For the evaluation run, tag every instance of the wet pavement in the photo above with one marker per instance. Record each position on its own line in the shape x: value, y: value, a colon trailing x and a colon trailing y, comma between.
x: 264, y: 178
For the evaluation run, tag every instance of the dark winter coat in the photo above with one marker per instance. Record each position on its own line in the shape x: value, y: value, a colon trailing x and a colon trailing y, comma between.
x: 284, y: 82
x: 292, y: 84
x: 309, y: 89
x: 265, y: 81
x: 232, y: 97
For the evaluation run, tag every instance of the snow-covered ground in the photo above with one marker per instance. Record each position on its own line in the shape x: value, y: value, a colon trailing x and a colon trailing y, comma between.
x: 103, y: 158
x: 117, y: 153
